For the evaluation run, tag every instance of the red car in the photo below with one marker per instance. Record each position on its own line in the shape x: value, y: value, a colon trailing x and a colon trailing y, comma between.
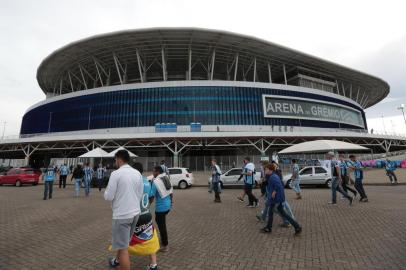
x: 20, y: 176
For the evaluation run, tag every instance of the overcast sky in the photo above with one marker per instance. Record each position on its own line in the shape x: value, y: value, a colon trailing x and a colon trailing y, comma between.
x: 366, y: 35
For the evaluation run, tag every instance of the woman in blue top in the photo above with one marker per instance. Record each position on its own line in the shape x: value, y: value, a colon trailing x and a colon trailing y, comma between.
x: 162, y: 192
x: 276, y: 197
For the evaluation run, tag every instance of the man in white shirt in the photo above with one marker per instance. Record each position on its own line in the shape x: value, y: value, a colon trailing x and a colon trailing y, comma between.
x: 124, y: 190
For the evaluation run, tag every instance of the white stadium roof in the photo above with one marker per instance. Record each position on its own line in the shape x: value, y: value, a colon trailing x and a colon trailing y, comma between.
x: 161, y: 54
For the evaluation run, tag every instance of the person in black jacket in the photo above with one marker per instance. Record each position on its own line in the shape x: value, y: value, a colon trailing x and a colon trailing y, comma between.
x: 78, y: 175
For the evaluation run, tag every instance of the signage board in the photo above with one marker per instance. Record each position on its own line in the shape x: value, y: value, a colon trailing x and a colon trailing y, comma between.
x: 310, y: 109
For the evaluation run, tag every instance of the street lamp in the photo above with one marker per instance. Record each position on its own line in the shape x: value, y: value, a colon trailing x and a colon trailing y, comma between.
x: 402, y: 108
x: 4, y: 129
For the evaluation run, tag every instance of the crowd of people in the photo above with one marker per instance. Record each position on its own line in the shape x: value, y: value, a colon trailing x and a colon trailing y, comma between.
x: 343, y: 172
x: 133, y: 229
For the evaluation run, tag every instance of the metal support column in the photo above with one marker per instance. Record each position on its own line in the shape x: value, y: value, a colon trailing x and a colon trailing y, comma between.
x: 83, y: 77
x: 284, y: 73
x: 70, y: 80
x: 190, y: 65
x: 236, y: 67
x: 117, y: 68
x: 140, y: 66
x: 163, y: 64
x: 269, y: 72
x: 213, y: 58
x: 255, y: 69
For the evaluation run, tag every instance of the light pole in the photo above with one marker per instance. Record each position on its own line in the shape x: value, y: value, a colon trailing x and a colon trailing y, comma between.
x: 383, y: 122
x: 4, y: 129
x: 402, y: 108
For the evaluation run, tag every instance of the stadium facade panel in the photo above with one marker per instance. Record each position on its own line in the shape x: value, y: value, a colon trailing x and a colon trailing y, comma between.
x: 183, y: 103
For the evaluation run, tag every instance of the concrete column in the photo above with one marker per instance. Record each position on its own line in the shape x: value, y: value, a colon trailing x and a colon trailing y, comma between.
x: 175, y: 159
x: 27, y: 160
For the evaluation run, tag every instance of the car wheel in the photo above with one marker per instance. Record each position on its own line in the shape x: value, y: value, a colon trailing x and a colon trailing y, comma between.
x: 34, y: 184
x: 328, y: 183
x: 288, y: 183
x: 18, y: 183
x: 182, y: 184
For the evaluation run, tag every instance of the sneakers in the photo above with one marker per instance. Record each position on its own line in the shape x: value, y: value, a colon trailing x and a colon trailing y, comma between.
x: 259, y: 217
x: 332, y: 203
x: 150, y: 267
x: 164, y: 249
x: 240, y: 199
x: 266, y: 230
x: 298, y: 231
x: 113, y: 262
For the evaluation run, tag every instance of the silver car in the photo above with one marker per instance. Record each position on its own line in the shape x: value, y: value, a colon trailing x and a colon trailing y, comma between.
x: 311, y: 175
x: 230, y: 178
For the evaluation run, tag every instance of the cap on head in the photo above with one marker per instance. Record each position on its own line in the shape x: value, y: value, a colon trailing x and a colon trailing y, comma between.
x: 330, y: 153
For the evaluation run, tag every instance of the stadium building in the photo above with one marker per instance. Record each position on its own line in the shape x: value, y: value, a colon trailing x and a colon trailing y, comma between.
x: 190, y: 94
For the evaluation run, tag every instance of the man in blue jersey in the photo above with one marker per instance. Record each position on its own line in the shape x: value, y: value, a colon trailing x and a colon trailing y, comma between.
x: 63, y: 174
x: 49, y: 178
x: 356, y: 166
x: 88, y: 177
x: 162, y: 194
x: 390, y: 168
x: 336, y: 180
x: 295, y: 182
x: 215, y: 180
x: 345, y: 175
x: 101, y: 171
x: 249, y: 181
x: 164, y: 168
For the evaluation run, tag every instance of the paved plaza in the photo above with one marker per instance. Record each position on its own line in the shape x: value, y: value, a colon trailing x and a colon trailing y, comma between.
x: 68, y: 233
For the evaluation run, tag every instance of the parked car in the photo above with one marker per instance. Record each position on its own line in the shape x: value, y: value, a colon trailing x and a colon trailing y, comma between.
x: 181, y: 177
x: 230, y: 178
x: 20, y: 176
x: 311, y: 175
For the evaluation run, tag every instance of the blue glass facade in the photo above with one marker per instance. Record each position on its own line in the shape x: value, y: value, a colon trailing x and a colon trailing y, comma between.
x: 208, y: 105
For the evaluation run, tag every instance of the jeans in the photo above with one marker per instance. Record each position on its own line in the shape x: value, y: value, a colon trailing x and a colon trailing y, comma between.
x: 62, y: 181
x: 251, y: 197
x: 360, y: 188
x: 100, y: 183
x: 286, y: 207
x: 345, y: 185
x: 87, y: 186
x: 336, y: 187
x: 392, y: 176
x: 48, y: 187
x: 78, y: 183
x: 295, y: 185
x: 160, y: 218
x: 279, y: 207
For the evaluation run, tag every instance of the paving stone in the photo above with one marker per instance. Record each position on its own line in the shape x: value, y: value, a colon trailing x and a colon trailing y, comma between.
x: 74, y: 233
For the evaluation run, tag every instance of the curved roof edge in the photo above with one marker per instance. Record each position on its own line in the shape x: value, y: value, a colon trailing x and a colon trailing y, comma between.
x: 383, y: 94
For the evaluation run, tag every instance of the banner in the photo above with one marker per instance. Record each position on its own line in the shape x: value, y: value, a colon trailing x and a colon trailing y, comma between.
x: 302, y: 108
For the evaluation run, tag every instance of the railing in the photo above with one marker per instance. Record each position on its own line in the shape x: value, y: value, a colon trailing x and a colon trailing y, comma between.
x: 208, y: 128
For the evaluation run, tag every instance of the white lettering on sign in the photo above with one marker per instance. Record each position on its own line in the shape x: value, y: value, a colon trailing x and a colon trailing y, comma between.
x: 276, y: 106
x: 284, y: 107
